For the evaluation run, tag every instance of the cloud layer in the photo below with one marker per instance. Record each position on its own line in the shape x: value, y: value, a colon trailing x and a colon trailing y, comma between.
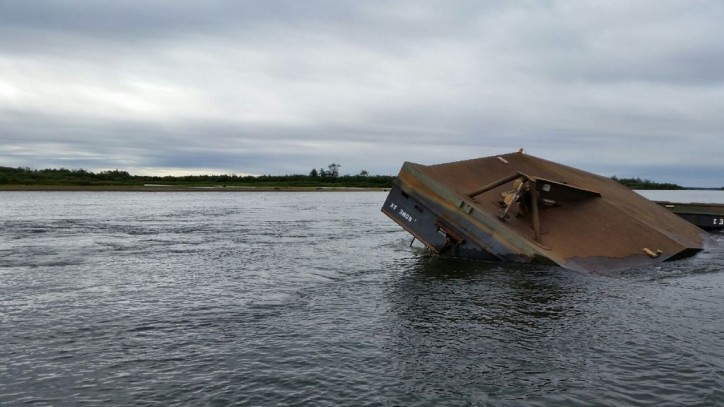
x: 617, y: 88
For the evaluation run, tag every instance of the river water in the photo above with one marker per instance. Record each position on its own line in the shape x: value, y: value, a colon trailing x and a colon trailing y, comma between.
x: 685, y: 196
x: 255, y: 298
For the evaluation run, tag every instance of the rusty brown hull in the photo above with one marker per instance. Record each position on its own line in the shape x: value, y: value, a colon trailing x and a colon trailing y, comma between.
x: 517, y: 207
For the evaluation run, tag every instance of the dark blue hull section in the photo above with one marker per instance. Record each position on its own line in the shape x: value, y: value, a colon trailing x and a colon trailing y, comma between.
x: 420, y: 217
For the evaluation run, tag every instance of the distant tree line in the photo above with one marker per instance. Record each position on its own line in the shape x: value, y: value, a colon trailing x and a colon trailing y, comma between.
x: 638, y: 183
x: 329, y: 177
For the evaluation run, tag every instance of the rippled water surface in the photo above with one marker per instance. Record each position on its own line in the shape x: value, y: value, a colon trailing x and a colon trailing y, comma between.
x: 316, y: 299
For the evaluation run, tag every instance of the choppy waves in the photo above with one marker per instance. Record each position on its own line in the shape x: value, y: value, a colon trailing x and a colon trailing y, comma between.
x: 316, y: 299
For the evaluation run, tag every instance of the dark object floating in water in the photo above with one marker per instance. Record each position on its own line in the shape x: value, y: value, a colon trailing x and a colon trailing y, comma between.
x: 520, y: 208
x: 707, y: 216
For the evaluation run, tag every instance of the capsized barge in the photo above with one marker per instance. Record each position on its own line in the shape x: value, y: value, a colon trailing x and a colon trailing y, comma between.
x: 520, y: 208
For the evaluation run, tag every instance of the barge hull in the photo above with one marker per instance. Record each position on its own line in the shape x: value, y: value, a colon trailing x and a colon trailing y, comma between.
x: 703, y: 215
x: 520, y: 208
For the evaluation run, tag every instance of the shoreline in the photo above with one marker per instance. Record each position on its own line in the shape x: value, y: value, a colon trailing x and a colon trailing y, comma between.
x: 176, y: 188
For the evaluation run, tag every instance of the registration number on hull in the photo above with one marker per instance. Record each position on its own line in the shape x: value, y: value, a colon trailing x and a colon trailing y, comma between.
x: 403, y: 214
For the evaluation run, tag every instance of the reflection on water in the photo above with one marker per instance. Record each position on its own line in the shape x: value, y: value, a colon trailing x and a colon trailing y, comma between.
x: 316, y: 299
x: 543, y: 335
x: 483, y: 330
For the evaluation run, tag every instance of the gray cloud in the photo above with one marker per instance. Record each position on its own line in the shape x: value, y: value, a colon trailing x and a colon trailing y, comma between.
x: 285, y: 86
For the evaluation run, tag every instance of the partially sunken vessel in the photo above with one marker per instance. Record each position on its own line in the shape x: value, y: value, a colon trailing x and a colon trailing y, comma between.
x: 520, y: 208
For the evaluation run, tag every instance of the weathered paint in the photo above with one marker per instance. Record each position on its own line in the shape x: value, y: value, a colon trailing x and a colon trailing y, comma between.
x: 564, y: 216
x: 704, y: 215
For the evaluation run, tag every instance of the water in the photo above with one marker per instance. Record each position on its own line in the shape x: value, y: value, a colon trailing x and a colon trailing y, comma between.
x: 316, y: 299
x: 685, y: 196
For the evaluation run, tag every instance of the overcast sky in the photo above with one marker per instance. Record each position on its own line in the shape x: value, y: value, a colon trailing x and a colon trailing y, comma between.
x: 626, y: 88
